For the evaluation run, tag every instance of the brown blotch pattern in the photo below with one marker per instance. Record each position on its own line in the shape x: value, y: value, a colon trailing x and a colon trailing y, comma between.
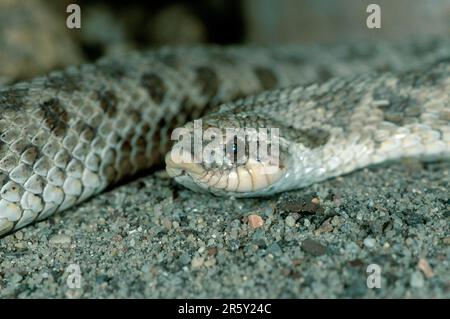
x: 155, y: 86
x: 141, y: 143
x: 190, y: 109
x: 165, y: 127
x: 432, y: 76
x: 112, y: 69
x: 88, y: 133
x: 155, y: 155
x: 145, y: 128
x: 12, y: 98
x: 126, y: 146
x: 208, y: 81
x: 64, y: 82
x: 186, y: 105
x: 266, y: 77
x: 108, y: 102
x: 156, y: 138
x: 134, y: 116
x: 3, y: 146
x: 400, y: 109
x: 313, y: 137
x: 55, y: 117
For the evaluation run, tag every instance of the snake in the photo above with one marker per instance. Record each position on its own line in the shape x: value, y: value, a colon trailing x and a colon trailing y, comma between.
x: 71, y: 134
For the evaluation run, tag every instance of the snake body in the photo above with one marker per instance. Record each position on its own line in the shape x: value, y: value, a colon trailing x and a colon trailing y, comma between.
x: 326, y: 130
x: 69, y: 135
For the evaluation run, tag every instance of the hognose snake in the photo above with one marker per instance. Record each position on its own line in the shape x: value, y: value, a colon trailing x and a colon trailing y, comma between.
x: 67, y: 136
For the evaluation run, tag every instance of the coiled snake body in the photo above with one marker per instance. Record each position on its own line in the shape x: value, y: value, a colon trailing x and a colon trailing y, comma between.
x: 69, y: 135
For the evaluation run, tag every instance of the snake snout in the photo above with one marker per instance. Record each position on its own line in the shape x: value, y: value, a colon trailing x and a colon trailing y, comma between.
x: 225, y: 161
x: 246, y: 178
x: 177, y: 165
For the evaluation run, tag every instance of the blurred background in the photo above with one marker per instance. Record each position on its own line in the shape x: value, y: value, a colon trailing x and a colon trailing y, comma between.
x: 34, y: 39
x: 262, y: 21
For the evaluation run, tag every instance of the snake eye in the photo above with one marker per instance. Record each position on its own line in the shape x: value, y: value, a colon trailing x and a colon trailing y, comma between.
x: 235, y: 150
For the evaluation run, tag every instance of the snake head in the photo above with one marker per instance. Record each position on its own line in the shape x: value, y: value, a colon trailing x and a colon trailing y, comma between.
x: 219, y: 156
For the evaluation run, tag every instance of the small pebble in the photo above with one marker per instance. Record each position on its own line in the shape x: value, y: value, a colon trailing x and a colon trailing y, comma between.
x: 314, y: 247
x: 352, y: 248
x: 290, y: 221
x: 326, y: 227
x: 184, y: 258
x: 306, y: 204
x: 417, y: 280
x: 255, y: 221
x: 201, y: 249
x: 409, y: 241
x: 210, y: 262
x: 197, y: 262
x: 19, y: 245
x: 166, y: 223
x: 425, y: 267
x: 336, y: 221
x: 268, y: 211
x: 356, y: 263
x: 19, y: 235
x: 275, y: 249
x: 60, y: 239
x: 212, y: 251
x: 337, y: 200
x: 16, y: 278
x: 369, y: 242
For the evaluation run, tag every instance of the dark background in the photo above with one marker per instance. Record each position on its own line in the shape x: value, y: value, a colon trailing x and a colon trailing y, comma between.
x: 169, y: 22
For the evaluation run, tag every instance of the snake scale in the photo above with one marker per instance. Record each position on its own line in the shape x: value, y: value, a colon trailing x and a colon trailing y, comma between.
x: 69, y: 135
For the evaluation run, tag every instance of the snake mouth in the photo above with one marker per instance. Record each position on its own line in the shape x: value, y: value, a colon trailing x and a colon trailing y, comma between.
x: 249, y: 177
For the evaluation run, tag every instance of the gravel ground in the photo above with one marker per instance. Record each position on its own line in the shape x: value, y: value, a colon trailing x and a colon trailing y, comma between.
x: 152, y: 238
